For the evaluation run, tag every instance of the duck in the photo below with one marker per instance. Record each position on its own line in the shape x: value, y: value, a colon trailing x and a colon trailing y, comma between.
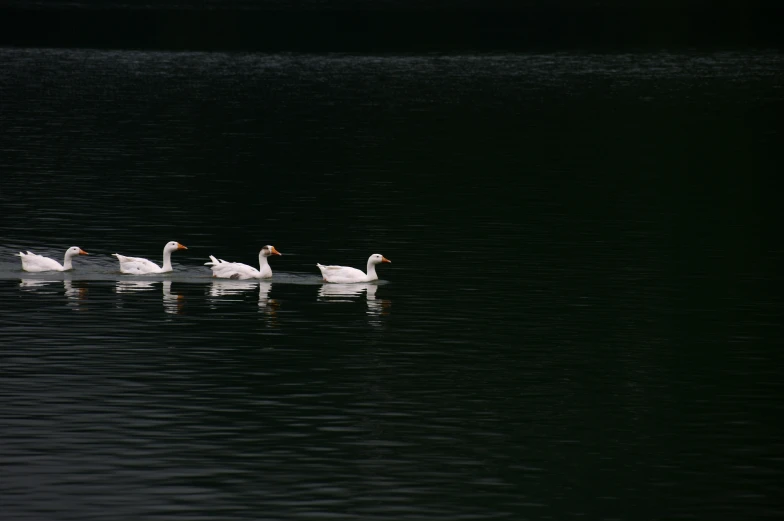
x: 35, y: 263
x: 348, y: 275
x: 238, y: 271
x: 139, y: 266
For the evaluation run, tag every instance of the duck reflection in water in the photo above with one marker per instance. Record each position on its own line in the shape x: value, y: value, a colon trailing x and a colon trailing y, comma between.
x: 128, y: 286
x: 33, y: 284
x: 173, y: 303
x: 377, y: 307
x: 75, y: 291
x: 225, y: 287
x: 264, y: 300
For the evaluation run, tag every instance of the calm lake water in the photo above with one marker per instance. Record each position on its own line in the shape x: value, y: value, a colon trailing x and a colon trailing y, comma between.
x: 581, y: 318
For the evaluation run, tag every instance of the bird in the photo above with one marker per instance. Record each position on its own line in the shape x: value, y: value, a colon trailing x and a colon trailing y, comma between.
x: 139, y: 266
x: 34, y: 263
x: 236, y: 270
x: 346, y: 274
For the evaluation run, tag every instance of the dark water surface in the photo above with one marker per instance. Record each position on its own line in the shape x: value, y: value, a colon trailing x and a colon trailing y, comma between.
x: 581, y: 318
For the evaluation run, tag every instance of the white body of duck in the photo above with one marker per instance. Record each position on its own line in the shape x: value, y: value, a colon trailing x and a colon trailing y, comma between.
x: 35, y: 263
x: 348, y: 275
x: 139, y: 266
x: 238, y: 271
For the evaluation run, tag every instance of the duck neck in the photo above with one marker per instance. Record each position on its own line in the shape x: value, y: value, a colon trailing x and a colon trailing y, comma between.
x: 67, y: 261
x: 262, y: 262
x: 167, y: 266
x: 371, y: 271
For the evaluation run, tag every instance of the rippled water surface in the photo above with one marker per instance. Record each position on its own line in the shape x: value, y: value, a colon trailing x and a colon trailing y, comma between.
x: 580, y: 320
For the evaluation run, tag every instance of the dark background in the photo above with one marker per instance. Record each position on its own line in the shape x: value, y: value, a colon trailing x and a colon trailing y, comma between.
x: 582, y: 317
x: 390, y: 26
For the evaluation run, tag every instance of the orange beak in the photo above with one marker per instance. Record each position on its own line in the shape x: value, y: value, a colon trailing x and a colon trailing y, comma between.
x: 82, y: 252
x: 274, y: 251
x: 384, y: 259
x: 181, y: 247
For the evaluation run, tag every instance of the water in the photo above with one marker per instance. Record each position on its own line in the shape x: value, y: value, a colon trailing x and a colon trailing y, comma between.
x: 581, y: 317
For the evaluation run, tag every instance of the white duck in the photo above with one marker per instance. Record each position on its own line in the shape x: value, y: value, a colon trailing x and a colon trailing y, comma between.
x: 139, y: 266
x: 34, y: 263
x: 236, y: 270
x: 347, y: 275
